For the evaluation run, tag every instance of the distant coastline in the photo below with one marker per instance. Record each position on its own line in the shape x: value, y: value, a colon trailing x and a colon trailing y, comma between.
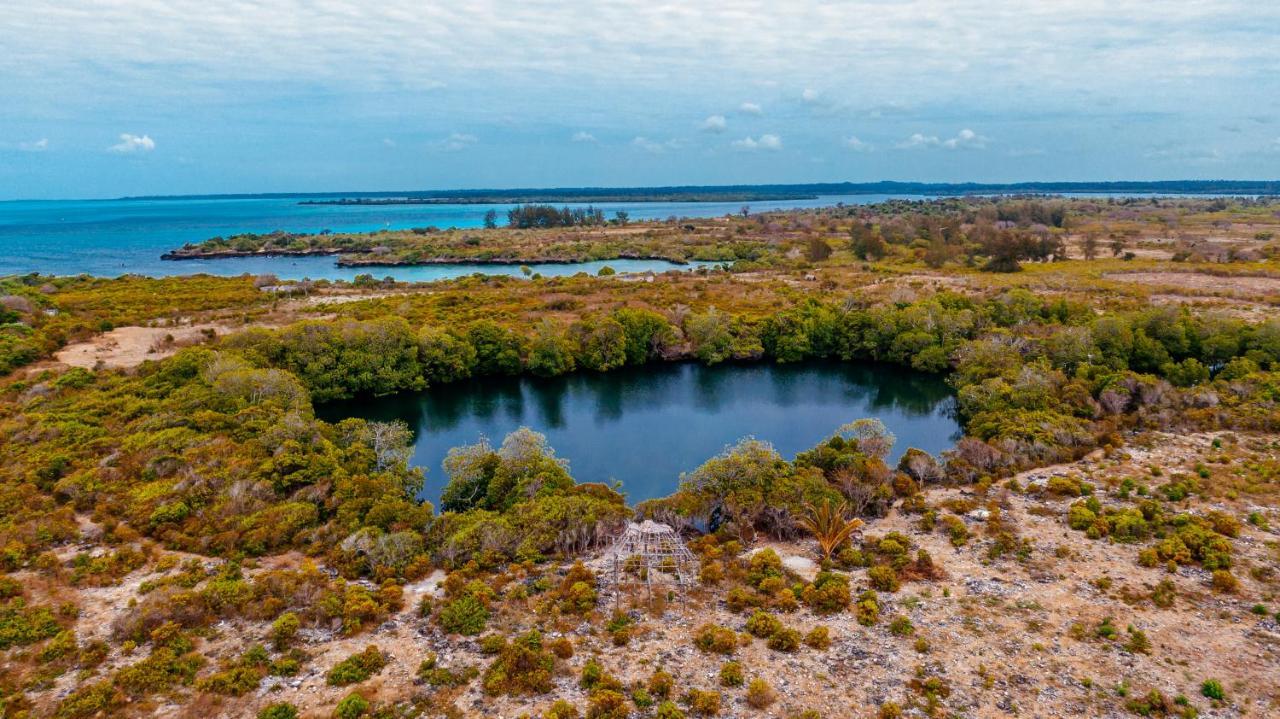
x: 557, y: 198
x: 732, y: 193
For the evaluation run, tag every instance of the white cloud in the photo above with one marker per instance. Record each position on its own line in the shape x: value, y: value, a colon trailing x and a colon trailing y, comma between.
x: 101, y: 61
x: 655, y: 146
x: 455, y: 142
x: 853, y: 143
x: 133, y: 143
x: 764, y: 142
x: 917, y: 44
x: 918, y: 140
x: 715, y: 123
x: 584, y: 136
x: 810, y: 95
x: 388, y: 142
x: 965, y: 139
x: 35, y: 146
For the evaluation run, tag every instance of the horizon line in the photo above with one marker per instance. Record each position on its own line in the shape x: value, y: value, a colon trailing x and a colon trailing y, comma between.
x: 924, y: 188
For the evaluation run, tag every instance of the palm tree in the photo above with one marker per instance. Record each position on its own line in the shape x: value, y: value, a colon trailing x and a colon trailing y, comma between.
x: 827, y: 524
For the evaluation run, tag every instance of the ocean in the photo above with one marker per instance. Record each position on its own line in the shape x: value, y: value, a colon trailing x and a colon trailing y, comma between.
x: 109, y: 238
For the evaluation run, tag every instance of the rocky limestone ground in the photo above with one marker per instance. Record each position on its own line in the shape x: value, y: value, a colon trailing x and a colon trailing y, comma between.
x: 1001, y: 637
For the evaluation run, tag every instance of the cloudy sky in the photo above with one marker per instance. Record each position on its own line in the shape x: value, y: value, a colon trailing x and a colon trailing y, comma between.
x: 119, y: 97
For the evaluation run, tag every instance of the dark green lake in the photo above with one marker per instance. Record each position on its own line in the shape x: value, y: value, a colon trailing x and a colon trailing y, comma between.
x: 645, y: 426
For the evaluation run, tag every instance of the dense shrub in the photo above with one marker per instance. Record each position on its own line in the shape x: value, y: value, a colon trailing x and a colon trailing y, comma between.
x: 702, y: 702
x: 20, y: 624
x: 279, y: 710
x: 352, y: 706
x: 883, y: 578
x: 357, y: 667
x: 731, y: 674
x: 760, y: 694
x: 464, y: 615
x: 717, y: 639
x: 523, y: 666
x: 828, y: 594
x: 818, y: 638
x: 660, y: 684
x: 763, y: 624
x: 607, y: 704
x: 784, y: 640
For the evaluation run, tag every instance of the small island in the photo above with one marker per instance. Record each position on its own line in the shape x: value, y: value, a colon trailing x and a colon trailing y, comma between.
x: 534, y: 234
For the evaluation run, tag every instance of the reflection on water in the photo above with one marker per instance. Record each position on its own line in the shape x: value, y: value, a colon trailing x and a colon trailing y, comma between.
x: 645, y: 426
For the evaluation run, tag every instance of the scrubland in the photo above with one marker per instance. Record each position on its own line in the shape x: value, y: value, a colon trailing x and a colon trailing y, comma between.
x: 181, y: 536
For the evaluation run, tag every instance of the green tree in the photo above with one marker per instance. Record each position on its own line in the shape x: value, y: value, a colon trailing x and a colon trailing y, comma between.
x: 601, y: 343
x: 550, y: 352
x: 444, y: 357
x: 647, y: 334
x: 498, y: 349
x: 710, y: 334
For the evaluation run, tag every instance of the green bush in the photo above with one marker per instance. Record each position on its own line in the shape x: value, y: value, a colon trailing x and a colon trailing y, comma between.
x: 284, y: 629
x: 668, y: 710
x: 717, y: 639
x: 661, y: 684
x: 703, y: 702
x: 763, y: 624
x: 21, y: 625
x: 785, y: 640
x: 357, y: 667
x: 760, y: 694
x: 883, y: 578
x: 464, y: 615
x: 867, y: 608
x: 818, y: 638
x: 607, y: 704
x: 89, y: 701
x: 522, y: 666
x: 731, y: 674
x: 281, y: 710
x: 1212, y: 689
x: 561, y: 709
x: 164, y: 668
x: 828, y: 594
x: 352, y: 706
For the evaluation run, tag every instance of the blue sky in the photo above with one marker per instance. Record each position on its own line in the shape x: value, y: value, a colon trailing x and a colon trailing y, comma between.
x: 105, y: 98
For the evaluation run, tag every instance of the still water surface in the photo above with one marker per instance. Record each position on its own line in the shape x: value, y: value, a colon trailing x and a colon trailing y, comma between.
x: 644, y: 426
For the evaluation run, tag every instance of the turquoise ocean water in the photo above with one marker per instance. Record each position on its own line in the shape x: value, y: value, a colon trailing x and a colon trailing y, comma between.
x: 114, y: 237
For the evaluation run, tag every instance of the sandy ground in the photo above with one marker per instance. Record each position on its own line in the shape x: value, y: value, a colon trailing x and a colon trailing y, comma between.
x: 125, y: 347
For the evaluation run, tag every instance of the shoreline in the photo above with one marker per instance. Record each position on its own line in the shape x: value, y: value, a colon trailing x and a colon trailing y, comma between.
x: 553, y: 199
x: 179, y: 256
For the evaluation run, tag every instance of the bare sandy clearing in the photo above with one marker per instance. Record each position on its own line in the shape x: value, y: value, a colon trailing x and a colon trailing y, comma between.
x: 1200, y: 282
x: 125, y: 347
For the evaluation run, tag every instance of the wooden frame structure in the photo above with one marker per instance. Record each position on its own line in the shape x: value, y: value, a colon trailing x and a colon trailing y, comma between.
x: 649, y: 547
